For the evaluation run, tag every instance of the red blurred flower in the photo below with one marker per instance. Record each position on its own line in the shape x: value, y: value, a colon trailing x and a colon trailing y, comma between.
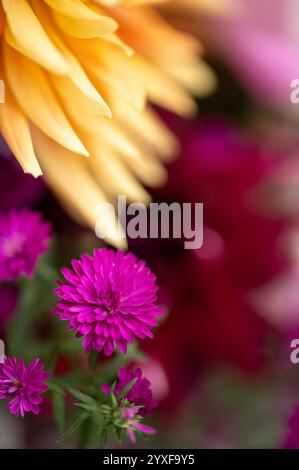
x: 8, y: 303
x: 211, y: 318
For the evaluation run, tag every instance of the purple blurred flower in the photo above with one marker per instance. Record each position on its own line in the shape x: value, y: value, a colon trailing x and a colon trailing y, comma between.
x: 22, y: 385
x: 109, y: 298
x: 291, y: 439
x: 17, y: 188
x: 131, y: 415
x: 140, y: 394
x: 24, y: 236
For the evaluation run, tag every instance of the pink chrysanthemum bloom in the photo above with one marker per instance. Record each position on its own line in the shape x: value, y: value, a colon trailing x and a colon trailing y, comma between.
x: 141, y: 392
x: 22, y: 385
x: 24, y: 236
x: 133, y: 424
x: 109, y: 298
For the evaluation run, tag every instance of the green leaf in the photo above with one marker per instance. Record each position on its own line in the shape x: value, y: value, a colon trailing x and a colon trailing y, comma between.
x: 74, y: 425
x: 113, y: 400
x: 46, y: 272
x: 35, y: 297
x: 81, y: 396
x: 59, y: 409
x: 85, y: 434
x: 52, y: 358
x: 54, y: 387
x: 119, y: 433
x: 25, y: 316
x: 92, y: 408
x: 92, y: 359
x: 113, y: 386
x: 126, y: 389
x: 103, y: 435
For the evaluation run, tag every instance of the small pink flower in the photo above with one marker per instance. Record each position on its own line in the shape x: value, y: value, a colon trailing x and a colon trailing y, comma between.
x: 130, y: 414
x: 22, y: 385
x: 109, y: 298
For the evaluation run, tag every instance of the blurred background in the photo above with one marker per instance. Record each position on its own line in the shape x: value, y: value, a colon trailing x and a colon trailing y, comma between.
x: 220, y: 362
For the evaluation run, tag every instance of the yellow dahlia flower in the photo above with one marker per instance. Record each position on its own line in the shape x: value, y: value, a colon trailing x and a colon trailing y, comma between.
x: 79, y: 75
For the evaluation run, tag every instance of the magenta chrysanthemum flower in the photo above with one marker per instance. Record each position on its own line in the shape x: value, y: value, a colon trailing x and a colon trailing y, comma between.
x: 133, y: 424
x: 22, y: 385
x: 141, y: 392
x: 109, y: 298
x: 24, y: 236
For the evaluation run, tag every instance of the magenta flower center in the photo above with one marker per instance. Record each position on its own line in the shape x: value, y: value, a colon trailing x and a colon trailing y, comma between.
x: 13, y: 245
x: 108, y: 300
x: 16, y: 387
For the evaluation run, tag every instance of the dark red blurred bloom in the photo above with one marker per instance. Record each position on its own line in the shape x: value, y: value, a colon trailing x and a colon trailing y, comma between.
x: 207, y: 289
x: 8, y: 303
